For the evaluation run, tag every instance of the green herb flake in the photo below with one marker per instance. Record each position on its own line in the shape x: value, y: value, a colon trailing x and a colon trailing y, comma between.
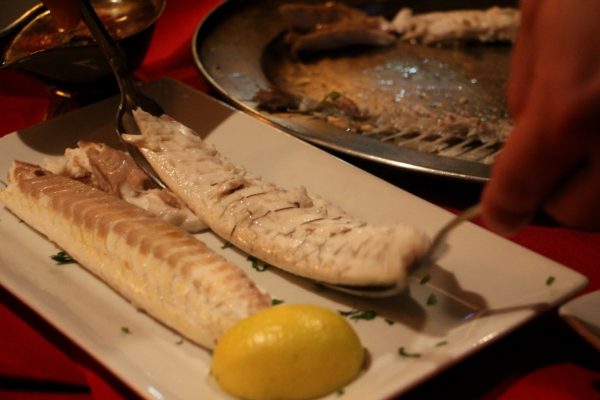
x: 275, y: 302
x: 404, y: 353
x: 432, y: 300
x: 390, y: 321
x: 179, y: 342
x: 226, y: 245
x: 340, y: 392
x: 442, y: 343
x: 253, y: 260
x: 550, y: 280
x: 425, y: 279
x: 358, y: 314
x: 62, y: 258
x: 125, y: 329
x: 333, y: 95
x: 257, y: 265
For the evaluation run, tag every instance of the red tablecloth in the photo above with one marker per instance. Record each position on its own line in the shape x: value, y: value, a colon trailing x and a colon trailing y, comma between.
x: 544, y: 359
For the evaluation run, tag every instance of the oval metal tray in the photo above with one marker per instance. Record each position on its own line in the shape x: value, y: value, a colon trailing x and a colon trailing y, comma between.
x: 238, y: 51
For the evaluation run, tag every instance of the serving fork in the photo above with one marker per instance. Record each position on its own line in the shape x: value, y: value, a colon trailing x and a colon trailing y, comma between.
x: 131, y: 97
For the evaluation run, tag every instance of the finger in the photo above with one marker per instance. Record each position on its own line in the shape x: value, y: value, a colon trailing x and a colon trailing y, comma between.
x: 522, y: 56
x: 577, y: 202
x: 532, y: 162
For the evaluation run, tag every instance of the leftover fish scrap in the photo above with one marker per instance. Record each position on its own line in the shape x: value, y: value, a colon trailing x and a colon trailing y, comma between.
x: 316, y: 27
x: 294, y: 230
x: 376, y: 117
x: 158, y: 267
x: 332, y: 25
x: 492, y: 25
x: 114, y: 171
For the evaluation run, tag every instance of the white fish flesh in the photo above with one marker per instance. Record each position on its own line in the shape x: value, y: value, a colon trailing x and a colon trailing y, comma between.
x: 332, y: 25
x: 291, y: 229
x: 491, y: 25
x: 158, y: 267
x: 114, y: 171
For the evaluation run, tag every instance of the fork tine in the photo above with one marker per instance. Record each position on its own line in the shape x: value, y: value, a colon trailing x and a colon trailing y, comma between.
x: 438, y: 243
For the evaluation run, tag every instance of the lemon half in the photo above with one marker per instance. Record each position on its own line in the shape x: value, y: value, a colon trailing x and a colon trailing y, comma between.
x: 287, y: 352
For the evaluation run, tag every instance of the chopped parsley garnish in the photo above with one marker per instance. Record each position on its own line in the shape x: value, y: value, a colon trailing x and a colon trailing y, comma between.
x: 333, y: 95
x: 63, y: 258
x: 125, y: 329
x: 425, y: 279
x: 226, y: 245
x: 274, y: 302
x: 257, y: 265
x: 390, y: 321
x: 432, y: 300
x: 404, y: 353
x: 550, y: 280
x: 340, y: 392
x: 442, y: 343
x: 358, y: 314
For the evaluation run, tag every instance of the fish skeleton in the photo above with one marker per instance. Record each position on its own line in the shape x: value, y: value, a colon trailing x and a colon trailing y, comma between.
x: 294, y: 230
x: 158, y: 267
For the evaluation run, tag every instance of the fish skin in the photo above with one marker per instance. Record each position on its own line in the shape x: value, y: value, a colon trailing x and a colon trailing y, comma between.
x: 290, y: 229
x: 159, y: 268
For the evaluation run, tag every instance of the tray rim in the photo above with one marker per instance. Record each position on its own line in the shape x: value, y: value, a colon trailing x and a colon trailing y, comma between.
x: 391, y: 156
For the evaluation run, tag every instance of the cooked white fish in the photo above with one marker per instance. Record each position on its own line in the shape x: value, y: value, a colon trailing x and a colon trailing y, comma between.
x: 328, y: 26
x: 291, y: 229
x: 491, y: 25
x: 114, y: 171
x: 159, y: 268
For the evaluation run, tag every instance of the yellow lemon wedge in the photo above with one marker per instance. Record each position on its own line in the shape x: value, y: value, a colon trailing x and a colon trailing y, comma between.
x: 290, y: 352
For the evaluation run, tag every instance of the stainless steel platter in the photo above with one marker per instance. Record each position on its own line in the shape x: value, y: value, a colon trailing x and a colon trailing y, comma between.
x: 239, y: 50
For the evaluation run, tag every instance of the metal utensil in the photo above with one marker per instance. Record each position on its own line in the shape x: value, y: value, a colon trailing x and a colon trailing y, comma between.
x: 433, y: 253
x: 131, y: 97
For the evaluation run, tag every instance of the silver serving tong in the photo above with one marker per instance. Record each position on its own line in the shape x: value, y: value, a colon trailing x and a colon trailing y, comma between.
x: 435, y: 251
x: 131, y: 97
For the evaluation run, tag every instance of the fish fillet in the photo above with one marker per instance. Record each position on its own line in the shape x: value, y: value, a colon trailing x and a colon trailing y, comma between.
x: 491, y: 25
x: 292, y: 229
x: 114, y: 171
x: 159, y: 268
x: 328, y: 26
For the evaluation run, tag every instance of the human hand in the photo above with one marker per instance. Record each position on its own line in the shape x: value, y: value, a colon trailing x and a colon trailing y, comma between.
x: 66, y: 12
x: 552, y: 159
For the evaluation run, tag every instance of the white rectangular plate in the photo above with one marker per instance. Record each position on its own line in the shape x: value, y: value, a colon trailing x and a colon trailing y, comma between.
x: 485, y: 286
